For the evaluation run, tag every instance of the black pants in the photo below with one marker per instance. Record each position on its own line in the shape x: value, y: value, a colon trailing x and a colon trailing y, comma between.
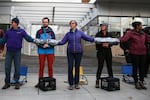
x: 138, y: 62
x: 147, y: 65
x: 104, y: 55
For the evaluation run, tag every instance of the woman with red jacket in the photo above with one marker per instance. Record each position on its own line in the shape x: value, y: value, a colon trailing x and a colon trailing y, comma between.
x: 137, y: 50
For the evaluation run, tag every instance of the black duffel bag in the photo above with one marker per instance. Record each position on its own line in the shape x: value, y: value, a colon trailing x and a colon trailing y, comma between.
x: 47, y: 84
x: 110, y: 83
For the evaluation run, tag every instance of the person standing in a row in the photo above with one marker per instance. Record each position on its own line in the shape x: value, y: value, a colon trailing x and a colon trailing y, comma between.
x: 45, y: 51
x: 137, y: 49
x: 13, y: 39
x: 147, y: 64
x: 74, y: 52
x: 103, y: 53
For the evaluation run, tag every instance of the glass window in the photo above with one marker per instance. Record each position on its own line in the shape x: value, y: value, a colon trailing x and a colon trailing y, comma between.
x: 148, y: 22
x: 114, y: 26
x: 125, y: 24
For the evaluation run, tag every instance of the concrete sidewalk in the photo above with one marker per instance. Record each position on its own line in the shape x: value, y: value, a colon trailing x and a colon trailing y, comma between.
x: 87, y: 92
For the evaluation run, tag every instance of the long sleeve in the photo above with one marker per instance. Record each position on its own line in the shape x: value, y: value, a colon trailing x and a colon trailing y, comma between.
x: 63, y: 41
x: 126, y: 37
x: 87, y: 38
x: 3, y: 40
x: 27, y: 37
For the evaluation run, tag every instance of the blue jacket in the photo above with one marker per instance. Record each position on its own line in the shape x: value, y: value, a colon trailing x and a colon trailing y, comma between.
x: 74, y: 41
x: 13, y: 39
x: 45, y: 34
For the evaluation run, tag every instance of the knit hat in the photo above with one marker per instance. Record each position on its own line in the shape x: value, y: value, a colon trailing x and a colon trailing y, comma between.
x: 16, y: 20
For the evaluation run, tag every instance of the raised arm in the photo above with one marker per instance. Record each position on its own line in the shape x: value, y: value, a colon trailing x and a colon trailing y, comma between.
x: 64, y: 40
x: 87, y: 38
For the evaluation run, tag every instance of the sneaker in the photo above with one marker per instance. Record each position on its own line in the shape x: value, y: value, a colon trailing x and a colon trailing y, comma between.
x: 6, y: 86
x: 142, y: 85
x: 77, y: 86
x: 97, y: 84
x: 37, y: 85
x: 137, y: 86
x: 70, y: 87
x: 17, y: 86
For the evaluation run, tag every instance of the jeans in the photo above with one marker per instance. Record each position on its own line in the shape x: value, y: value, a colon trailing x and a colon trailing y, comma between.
x: 16, y: 57
x: 71, y: 58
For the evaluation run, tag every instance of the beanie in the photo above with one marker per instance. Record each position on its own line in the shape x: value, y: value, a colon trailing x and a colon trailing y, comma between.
x: 16, y: 20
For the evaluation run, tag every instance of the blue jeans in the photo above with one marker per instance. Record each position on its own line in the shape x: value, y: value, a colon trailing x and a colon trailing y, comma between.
x: 71, y: 58
x: 16, y: 57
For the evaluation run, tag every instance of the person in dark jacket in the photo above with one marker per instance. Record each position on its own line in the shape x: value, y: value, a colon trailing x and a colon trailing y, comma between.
x: 45, y: 51
x: 125, y: 46
x: 74, y: 52
x: 138, y: 52
x: 103, y: 53
x: 13, y: 39
x: 147, y: 31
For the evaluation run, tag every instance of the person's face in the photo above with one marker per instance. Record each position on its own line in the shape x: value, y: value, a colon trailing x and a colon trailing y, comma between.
x: 45, y: 22
x: 103, y: 28
x: 13, y: 24
x: 73, y: 25
x: 139, y: 27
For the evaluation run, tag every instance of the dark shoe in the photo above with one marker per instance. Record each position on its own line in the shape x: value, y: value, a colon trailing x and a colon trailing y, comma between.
x: 6, y: 86
x: 142, y: 85
x: 70, y: 87
x: 77, y: 86
x: 97, y: 84
x: 137, y: 86
x: 17, y: 86
x: 37, y: 85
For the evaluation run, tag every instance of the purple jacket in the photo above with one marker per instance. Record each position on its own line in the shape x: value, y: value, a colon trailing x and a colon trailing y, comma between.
x: 74, y: 41
x: 14, y: 39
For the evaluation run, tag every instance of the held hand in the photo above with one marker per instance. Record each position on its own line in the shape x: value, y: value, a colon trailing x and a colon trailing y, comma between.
x: 105, y: 45
x: 45, y: 46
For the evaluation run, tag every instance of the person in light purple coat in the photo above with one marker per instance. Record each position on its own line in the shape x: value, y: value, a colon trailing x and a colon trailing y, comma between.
x: 74, y: 52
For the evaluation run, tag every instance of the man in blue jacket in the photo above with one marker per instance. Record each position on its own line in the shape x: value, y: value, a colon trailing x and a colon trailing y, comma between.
x: 45, y: 50
x: 13, y: 39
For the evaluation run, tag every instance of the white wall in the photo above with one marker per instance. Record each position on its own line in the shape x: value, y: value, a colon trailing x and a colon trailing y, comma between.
x: 5, y: 13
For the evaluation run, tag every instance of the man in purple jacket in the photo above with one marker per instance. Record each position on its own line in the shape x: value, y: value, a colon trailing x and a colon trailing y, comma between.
x: 13, y: 39
x: 137, y: 50
x: 74, y: 52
